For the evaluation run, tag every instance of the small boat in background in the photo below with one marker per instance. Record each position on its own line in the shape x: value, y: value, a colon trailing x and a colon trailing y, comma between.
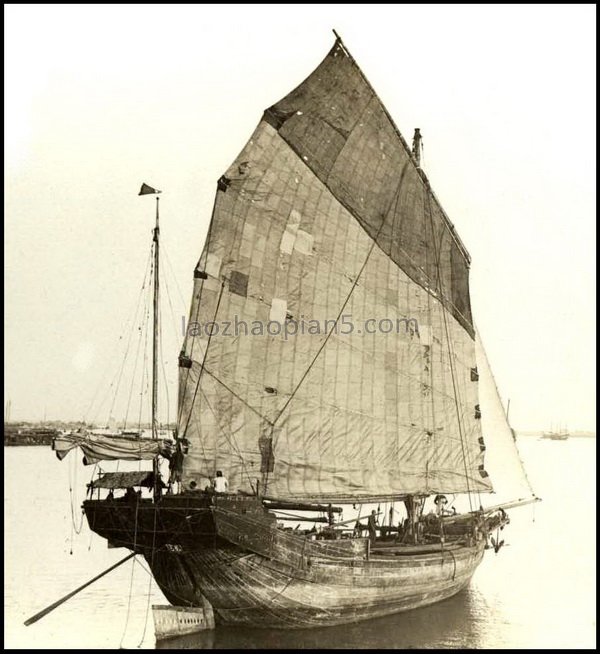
x: 560, y: 435
x: 170, y: 621
x: 137, y: 433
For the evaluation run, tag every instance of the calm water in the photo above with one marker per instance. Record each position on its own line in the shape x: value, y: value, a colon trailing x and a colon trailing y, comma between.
x: 538, y: 592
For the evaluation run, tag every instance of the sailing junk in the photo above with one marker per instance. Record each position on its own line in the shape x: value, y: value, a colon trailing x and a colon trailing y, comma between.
x: 324, y: 222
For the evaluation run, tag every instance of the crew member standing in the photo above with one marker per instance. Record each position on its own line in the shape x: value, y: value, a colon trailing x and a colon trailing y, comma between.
x: 372, y: 526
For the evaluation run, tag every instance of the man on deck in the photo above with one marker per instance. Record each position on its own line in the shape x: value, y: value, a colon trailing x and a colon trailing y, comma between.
x: 440, y: 502
x: 372, y: 526
x: 220, y: 483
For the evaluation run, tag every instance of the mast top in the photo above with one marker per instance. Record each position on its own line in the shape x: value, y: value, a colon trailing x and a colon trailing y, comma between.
x: 416, y: 146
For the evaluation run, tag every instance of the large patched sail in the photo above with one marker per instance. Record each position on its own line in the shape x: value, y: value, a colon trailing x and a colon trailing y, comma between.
x: 329, y: 352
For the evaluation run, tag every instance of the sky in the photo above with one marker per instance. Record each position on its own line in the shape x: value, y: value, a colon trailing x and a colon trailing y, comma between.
x: 100, y: 98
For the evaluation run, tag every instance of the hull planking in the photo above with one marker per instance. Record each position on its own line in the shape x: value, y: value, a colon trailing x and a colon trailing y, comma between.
x: 230, y: 551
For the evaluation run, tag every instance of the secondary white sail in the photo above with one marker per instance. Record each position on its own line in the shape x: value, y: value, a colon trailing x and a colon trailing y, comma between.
x: 502, y: 459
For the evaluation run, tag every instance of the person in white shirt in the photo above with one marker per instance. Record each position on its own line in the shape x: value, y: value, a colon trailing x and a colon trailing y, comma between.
x: 220, y: 483
x: 440, y: 502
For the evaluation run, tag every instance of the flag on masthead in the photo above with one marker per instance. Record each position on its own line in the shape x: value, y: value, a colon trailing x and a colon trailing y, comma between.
x: 146, y: 190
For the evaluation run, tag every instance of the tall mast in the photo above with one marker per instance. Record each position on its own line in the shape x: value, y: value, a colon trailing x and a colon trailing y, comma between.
x: 155, y: 353
x: 155, y: 331
x: 147, y: 190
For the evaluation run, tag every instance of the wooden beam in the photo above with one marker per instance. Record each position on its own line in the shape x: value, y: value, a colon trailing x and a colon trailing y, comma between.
x: 299, y: 506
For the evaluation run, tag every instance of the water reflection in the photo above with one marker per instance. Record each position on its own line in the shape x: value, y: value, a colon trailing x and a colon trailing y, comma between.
x: 451, y: 623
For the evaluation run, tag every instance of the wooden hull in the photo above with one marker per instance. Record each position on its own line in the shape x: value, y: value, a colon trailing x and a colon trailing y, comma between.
x: 247, y: 589
x: 254, y: 574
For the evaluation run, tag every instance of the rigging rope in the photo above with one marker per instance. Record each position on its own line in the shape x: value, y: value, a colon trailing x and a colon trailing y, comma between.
x: 430, y: 358
x: 198, y: 300
x: 151, y: 566
x: 239, y: 397
x: 437, y: 255
x: 117, y: 376
x: 324, y: 343
x: 135, y: 364
x: 135, y: 531
x: 233, y: 444
x: 203, y: 362
x: 141, y: 324
x: 125, y: 356
x: 73, y: 483
x: 130, y: 591
x: 108, y: 365
x: 164, y: 371
x: 147, y: 611
x: 145, y: 374
x: 166, y: 285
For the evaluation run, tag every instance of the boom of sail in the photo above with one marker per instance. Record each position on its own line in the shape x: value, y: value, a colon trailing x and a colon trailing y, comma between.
x: 349, y: 371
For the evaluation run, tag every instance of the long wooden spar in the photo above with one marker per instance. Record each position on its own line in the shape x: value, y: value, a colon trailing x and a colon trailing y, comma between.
x: 42, y: 613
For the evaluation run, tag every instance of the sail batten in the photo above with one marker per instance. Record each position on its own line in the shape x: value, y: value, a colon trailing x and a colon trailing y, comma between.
x: 323, y: 221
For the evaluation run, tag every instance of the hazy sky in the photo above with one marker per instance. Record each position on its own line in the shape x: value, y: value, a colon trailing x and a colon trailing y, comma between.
x: 100, y: 98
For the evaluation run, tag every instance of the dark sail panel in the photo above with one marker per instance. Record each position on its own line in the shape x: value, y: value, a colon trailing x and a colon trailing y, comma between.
x: 340, y: 129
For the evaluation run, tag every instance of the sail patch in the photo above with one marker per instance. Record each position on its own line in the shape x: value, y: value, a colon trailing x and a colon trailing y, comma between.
x: 295, y: 238
x: 213, y: 265
x: 278, y: 310
x: 288, y: 239
x: 425, y: 334
x: 304, y: 242
x: 248, y: 240
x: 238, y: 283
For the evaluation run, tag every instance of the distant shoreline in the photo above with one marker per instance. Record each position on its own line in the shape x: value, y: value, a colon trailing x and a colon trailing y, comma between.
x: 574, y: 434
x: 24, y: 433
x: 19, y: 434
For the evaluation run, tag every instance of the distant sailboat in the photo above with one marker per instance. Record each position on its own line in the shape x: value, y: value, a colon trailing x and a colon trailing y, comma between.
x: 560, y: 434
x: 325, y: 214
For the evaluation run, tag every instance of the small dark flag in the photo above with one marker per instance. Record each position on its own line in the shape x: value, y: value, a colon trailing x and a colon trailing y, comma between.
x: 146, y: 190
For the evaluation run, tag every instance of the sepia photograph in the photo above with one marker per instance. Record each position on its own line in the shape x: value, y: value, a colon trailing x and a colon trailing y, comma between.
x: 300, y: 326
